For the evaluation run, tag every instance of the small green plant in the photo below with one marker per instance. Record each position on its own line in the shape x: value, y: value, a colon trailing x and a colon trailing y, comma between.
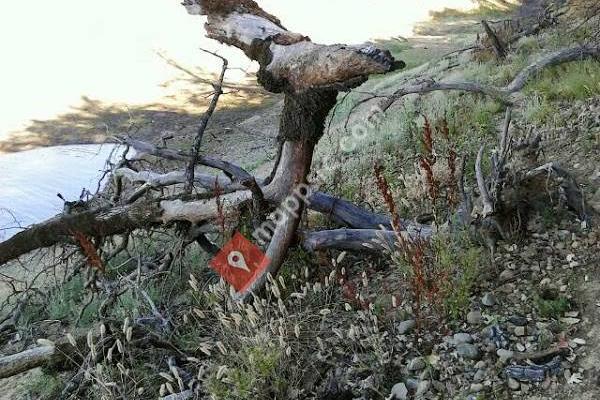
x: 255, y: 367
x: 572, y: 81
x: 43, y: 387
x: 66, y: 303
x: 537, y: 110
x: 551, y: 216
x: 457, y: 255
x: 553, y: 308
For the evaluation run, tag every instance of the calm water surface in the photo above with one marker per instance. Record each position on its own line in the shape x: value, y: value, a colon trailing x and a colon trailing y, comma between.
x: 30, y: 181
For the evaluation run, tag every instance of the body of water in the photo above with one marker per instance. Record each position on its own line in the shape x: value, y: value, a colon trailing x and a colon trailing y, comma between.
x: 30, y: 181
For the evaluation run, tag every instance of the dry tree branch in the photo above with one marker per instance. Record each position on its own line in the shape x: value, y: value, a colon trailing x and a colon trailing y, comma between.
x: 218, y: 87
x: 506, y: 94
x: 488, y: 204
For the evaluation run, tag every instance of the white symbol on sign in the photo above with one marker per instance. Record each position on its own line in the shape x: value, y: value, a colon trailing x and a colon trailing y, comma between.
x: 236, y: 260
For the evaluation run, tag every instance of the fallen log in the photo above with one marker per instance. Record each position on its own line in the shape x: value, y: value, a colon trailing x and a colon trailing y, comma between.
x: 149, y: 213
x: 349, y: 240
x: 47, y: 354
x: 29, y: 359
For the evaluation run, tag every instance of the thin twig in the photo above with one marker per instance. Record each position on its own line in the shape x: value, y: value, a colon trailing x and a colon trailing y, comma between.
x: 204, y: 123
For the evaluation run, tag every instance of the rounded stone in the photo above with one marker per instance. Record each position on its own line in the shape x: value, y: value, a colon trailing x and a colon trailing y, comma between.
x: 462, y: 338
x: 423, y: 388
x: 468, y: 351
x: 476, y: 387
x: 504, y: 355
x: 488, y: 300
x: 506, y: 275
x: 416, y: 364
x: 513, y: 384
x: 474, y: 317
x: 479, y: 375
x: 405, y: 327
x: 399, y: 392
x: 520, y: 331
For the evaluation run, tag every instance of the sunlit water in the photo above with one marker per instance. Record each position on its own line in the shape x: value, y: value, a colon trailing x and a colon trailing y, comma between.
x: 30, y: 181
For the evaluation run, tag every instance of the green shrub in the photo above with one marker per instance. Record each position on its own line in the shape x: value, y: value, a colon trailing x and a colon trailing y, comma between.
x: 553, y: 308
x: 66, y: 303
x: 573, y: 81
x: 43, y: 387
x: 463, y: 261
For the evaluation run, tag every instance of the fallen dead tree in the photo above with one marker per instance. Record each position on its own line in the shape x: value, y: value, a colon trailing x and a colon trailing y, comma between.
x: 310, y: 76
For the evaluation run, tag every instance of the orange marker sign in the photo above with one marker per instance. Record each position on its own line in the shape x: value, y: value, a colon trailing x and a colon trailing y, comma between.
x: 240, y: 262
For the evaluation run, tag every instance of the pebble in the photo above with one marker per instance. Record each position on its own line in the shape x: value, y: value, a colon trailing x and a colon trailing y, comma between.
x: 513, y: 384
x: 506, y: 275
x: 462, y: 338
x: 572, y: 314
x: 412, y: 384
x: 570, y: 321
x: 479, y: 375
x: 504, y: 355
x: 520, y: 331
x: 546, y: 384
x: 488, y: 300
x: 474, y: 317
x: 476, y: 387
x: 468, y: 351
x: 406, y: 326
x: 399, y: 392
x: 517, y: 320
x: 423, y: 388
x: 416, y: 364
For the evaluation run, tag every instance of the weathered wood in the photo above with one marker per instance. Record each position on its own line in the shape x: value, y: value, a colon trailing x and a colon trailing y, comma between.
x: 60, y: 355
x: 29, y: 359
x: 488, y: 203
x: 288, y: 61
x: 148, y: 213
x: 340, y: 211
x: 102, y: 222
x: 497, y: 45
x: 361, y: 239
x: 311, y: 75
x: 347, y: 214
x: 569, y: 189
x: 144, y: 148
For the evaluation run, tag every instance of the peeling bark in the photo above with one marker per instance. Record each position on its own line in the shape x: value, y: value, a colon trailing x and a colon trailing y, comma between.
x: 288, y: 61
